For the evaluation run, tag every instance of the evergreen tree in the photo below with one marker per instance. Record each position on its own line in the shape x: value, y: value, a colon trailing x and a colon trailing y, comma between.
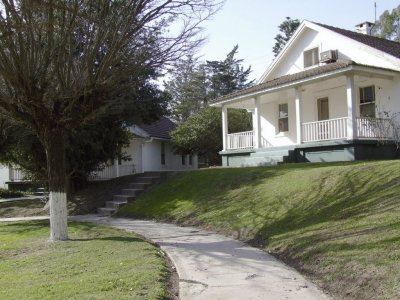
x: 388, y: 25
x: 187, y: 88
x: 227, y: 76
x: 201, y: 133
x: 287, y: 28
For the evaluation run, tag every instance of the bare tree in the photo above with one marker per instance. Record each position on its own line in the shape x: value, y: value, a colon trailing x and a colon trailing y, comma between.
x: 62, y: 64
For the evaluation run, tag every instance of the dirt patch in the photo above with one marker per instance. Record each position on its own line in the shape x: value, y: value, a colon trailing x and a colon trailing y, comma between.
x: 23, y: 208
x: 173, y: 280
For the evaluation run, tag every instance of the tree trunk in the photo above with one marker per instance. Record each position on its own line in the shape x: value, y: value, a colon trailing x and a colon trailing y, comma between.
x: 56, y: 168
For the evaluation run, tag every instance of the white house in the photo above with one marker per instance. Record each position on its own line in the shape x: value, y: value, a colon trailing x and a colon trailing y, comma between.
x: 150, y: 150
x: 330, y: 95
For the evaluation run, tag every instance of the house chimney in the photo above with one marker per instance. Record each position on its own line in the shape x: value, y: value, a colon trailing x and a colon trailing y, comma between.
x: 365, y: 27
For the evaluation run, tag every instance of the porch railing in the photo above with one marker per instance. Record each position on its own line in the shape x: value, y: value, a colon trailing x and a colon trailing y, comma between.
x: 333, y: 129
x: 378, y: 128
x: 109, y: 172
x: 241, y: 140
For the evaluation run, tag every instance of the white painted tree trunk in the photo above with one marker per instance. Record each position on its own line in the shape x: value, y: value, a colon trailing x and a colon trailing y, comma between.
x: 55, y: 141
x: 58, y: 216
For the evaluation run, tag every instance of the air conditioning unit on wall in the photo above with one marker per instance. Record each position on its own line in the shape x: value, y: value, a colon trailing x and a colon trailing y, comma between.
x: 329, y: 56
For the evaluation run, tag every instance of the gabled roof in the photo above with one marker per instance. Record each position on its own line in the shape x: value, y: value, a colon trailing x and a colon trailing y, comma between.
x: 296, y: 79
x: 158, y: 129
x: 389, y: 47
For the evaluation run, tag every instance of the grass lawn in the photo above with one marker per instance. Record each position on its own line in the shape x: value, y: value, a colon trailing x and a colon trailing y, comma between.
x: 97, y: 262
x: 339, y: 223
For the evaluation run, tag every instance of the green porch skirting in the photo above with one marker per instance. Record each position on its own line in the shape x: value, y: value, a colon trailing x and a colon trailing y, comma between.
x: 329, y: 151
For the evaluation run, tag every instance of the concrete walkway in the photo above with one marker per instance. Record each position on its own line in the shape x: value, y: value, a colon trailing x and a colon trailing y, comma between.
x: 211, y: 266
x: 18, y: 219
x: 21, y: 198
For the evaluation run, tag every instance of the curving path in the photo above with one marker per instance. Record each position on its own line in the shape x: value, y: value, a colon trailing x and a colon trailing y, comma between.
x: 211, y: 266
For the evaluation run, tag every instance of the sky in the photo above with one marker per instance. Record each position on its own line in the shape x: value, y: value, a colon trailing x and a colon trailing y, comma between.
x: 253, y: 24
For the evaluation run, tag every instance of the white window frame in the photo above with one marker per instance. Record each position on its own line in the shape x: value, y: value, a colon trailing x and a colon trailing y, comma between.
x: 283, y: 117
x: 313, y: 57
x: 373, y: 102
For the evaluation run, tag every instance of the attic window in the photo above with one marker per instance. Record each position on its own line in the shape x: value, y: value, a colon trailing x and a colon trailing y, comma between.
x: 311, y: 57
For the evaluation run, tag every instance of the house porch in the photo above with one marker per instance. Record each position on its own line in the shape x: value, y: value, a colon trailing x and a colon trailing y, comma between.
x: 324, y: 119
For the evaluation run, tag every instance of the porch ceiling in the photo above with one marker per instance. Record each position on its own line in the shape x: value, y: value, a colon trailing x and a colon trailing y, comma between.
x: 285, y: 84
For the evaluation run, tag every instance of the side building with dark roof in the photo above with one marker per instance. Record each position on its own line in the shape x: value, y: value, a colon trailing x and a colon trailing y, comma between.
x: 330, y: 95
x: 151, y: 148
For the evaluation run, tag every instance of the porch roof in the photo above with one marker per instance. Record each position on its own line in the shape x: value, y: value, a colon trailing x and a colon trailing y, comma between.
x: 340, y: 66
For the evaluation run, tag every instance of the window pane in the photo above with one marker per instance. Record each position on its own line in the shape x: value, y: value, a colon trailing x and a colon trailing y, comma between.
x: 367, y: 110
x: 367, y: 94
x: 283, y: 110
x: 162, y: 153
x: 311, y: 57
x: 283, y: 125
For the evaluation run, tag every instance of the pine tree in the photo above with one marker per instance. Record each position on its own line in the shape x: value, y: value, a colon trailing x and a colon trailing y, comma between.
x: 287, y: 28
x: 201, y: 133
x: 388, y: 26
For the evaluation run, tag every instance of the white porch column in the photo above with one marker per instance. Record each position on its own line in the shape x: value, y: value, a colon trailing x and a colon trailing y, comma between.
x: 257, y: 123
x: 351, y: 107
x: 297, y: 93
x: 224, y: 128
x: 116, y: 166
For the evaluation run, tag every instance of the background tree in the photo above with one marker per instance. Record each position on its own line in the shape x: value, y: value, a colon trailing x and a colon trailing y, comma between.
x: 188, y: 88
x: 201, y: 133
x: 227, y: 76
x: 287, y: 28
x: 388, y: 25
x: 63, y: 62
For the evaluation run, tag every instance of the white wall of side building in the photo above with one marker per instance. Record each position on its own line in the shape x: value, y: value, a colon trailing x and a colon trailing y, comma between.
x: 4, y: 176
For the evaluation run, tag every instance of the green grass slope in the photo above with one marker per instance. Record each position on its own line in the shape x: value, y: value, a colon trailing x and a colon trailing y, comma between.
x: 338, y: 223
x: 98, y: 262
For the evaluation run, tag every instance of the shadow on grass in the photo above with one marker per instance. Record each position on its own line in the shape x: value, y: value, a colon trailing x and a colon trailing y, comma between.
x: 213, y: 183
x: 356, y: 195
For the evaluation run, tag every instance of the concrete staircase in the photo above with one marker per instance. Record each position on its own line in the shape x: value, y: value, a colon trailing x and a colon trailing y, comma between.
x: 135, y: 188
x: 269, y: 157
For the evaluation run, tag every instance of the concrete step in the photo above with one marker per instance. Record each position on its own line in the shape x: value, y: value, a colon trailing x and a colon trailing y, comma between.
x: 139, y: 185
x: 106, y: 211
x: 115, y: 204
x: 132, y: 192
x: 270, y: 153
x: 39, y: 192
x: 126, y: 198
x: 154, y: 174
x: 147, y: 179
x: 262, y: 161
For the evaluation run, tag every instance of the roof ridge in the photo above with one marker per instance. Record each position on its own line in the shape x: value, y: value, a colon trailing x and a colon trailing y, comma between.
x: 355, y: 32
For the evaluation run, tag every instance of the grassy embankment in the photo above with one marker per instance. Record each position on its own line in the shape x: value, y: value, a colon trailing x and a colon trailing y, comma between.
x: 97, y: 262
x: 338, y: 223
